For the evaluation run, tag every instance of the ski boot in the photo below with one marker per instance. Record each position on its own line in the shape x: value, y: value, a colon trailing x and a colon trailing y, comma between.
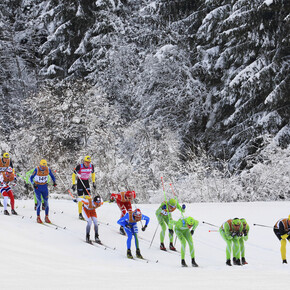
x: 244, y: 262
x: 193, y: 263
x: 97, y: 240
x: 38, y: 219
x: 129, y: 254
x: 1, y: 205
x: 162, y: 247
x: 171, y: 247
x: 14, y: 212
x: 47, y: 220
x: 88, y: 239
x: 237, y: 262
x: 183, y: 264
x: 284, y: 261
x: 138, y: 254
x: 122, y: 231
x: 6, y: 212
x: 81, y: 217
x: 43, y: 207
x: 228, y: 262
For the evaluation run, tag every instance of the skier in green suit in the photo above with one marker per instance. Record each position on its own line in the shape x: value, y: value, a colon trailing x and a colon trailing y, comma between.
x: 184, y: 229
x: 163, y: 215
x: 231, y: 232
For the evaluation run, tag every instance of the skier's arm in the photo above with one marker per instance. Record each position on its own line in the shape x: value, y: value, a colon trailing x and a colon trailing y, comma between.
x: 146, y: 219
x: 51, y: 175
x: 227, y: 231
x: 124, y: 220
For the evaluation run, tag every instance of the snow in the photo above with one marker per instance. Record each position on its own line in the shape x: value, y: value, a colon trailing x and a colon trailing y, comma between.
x: 36, y: 256
x: 268, y: 2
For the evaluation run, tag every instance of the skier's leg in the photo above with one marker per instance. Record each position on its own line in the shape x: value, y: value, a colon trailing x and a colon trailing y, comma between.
x: 129, y: 237
x: 182, y: 239
x: 44, y: 194
x: 229, y: 244
x: 188, y: 237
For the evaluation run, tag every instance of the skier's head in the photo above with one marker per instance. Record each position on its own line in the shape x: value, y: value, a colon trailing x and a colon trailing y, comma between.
x: 6, y: 155
x: 87, y: 159
x: 172, y: 202
x: 236, y: 222
x: 243, y: 222
x: 189, y: 221
x: 137, y: 215
x: 43, y: 163
x: 97, y: 199
x: 130, y: 194
x: 9, y: 170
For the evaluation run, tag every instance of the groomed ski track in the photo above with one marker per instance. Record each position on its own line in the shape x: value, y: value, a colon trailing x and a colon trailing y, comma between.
x: 40, y: 257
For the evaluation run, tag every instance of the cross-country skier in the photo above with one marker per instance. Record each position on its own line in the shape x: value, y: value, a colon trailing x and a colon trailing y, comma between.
x: 5, y: 162
x: 27, y: 183
x: 231, y: 232
x: 244, y: 237
x: 129, y: 223
x: 184, y: 229
x: 123, y: 200
x: 163, y: 215
x: 89, y: 206
x: 6, y: 178
x: 282, y: 232
x: 39, y: 180
x: 83, y: 172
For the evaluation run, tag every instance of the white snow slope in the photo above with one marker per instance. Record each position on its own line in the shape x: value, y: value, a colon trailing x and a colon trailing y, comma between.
x: 35, y: 256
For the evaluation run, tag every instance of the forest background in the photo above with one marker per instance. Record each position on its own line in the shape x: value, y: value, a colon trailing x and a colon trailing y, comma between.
x: 194, y: 91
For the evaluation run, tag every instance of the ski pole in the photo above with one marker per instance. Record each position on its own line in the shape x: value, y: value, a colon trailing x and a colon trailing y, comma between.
x: 209, y: 224
x: 262, y: 226
x: 211, y: 231
x: 82, y: 183
x: 154, y: 235
x: 64, y: 183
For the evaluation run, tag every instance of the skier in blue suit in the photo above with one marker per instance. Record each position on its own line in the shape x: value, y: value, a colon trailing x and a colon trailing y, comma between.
x: 129, y: 223
x: 39, y: 180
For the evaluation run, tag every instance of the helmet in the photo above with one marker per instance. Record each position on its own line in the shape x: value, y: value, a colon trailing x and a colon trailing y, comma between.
x: 9, y: 169
x: 6, y: 155
x: 172, y: 202
x: 137, y: 213
x: 87, y: 158
x: 43, y: 162
x: 236, y: 221
x: 130, y: 194
x: 97, y: 199
x: 189, y: 221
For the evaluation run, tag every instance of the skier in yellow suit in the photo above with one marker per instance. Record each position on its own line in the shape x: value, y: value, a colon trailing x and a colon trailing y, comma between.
x: 282, y: 231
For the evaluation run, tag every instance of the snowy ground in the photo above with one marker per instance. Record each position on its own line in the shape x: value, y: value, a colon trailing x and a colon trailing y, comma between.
x: 35, y: 256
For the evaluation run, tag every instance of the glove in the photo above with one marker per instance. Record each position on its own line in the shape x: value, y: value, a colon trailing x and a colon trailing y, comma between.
x: 144, y: 228
x: 234, y: 234
x: 73, y: 187
x: 183, y: 206
x: 128, y: 226
x: 111, y: 200
x: 54, y: 184
x: 245, y: 233
x: 35, y: 186
x: 192, y: 232
x: 94, y: 185
x: 75, y: 200
x: 164, y: 206
x: 170, y: 232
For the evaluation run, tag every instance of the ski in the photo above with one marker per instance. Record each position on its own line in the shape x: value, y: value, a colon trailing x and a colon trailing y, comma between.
x: 104, y: 245
x: 56, y: 226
